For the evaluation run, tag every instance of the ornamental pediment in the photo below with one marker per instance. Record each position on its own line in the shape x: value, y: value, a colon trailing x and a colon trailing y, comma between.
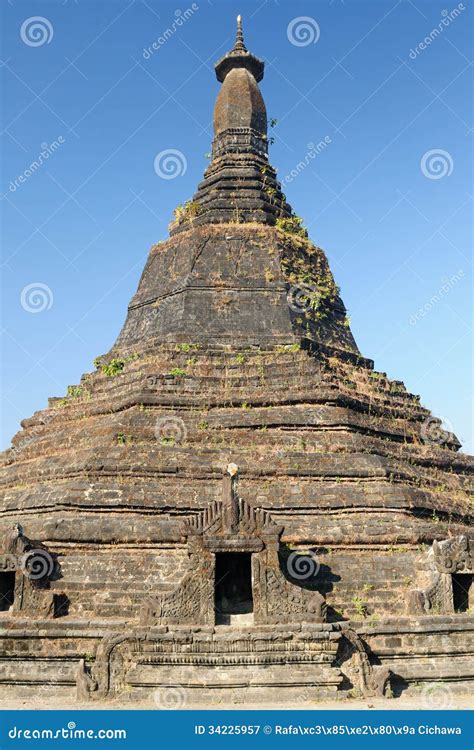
x: 232, y: 520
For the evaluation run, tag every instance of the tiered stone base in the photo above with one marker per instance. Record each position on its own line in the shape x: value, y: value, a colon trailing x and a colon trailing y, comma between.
x: 223, y: 665
x: 181, y: 667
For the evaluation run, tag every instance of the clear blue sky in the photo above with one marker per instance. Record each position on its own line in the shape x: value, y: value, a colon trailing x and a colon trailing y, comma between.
x: 83, y: 222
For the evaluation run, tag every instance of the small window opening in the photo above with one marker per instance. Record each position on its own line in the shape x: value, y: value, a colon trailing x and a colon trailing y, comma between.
x: 233, y: 588
x: 462, y: 583
x: 7, y: 590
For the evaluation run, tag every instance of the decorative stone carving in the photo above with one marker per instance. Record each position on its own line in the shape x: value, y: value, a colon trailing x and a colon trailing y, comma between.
x: 231, y: 518
x: 85, y: 683
x: 353, y: 658
x: 232, y: 525
x: 444, y: 558
x: 453, y: 555
x: 288, y: 603
x: 143, y: 656
x: 35, y: 567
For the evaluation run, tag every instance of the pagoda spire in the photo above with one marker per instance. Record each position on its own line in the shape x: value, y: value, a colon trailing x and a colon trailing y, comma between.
x: 239, y: 183
x: 239, y: 38
x: 239, y: 57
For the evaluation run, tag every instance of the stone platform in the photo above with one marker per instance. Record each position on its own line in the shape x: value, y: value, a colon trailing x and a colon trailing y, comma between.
x: 105, y: 661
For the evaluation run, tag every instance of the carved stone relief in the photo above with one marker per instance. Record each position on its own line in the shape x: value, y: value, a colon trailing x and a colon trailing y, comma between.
x: 34, y: 568
x: 233, y: 525
x: 444, y: 558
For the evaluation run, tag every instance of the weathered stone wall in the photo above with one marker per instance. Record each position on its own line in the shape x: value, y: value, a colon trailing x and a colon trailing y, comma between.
x: 420, y: 652
x: 425, y: 650
x: 336, y: 456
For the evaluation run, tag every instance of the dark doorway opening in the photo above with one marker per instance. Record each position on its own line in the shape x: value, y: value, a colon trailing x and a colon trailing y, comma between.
x: 7, y: 591
x: 462, y: 583
x: 233, y: 587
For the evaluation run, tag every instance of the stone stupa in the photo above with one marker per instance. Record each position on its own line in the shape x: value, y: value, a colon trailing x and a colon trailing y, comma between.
x: 235, y: 506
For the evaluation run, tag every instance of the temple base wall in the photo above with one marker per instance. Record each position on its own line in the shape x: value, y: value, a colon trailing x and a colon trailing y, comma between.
x: 227, y: 666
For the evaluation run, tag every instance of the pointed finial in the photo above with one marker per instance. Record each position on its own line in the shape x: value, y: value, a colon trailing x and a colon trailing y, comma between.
x: 232, y: 469
x: 239, y: 57
x: 239, y: 39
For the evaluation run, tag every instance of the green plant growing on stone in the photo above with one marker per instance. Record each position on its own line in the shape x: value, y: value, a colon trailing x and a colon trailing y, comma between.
x: 269, y: 275
x: 314, y: 300
x: 193, y: 209
x: 360, y: 606
x: 292, y: 225
x: 167, y: 441
x: 186, y: 212
x: 240, y: 359
x: 74, y: 391
x: 116, y: 365
x: 179, y: 212
x: 177, y: 372
x: 203, y: 425
x: 271, y: 192
x: 285, y: 348
x: 188, y: 347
